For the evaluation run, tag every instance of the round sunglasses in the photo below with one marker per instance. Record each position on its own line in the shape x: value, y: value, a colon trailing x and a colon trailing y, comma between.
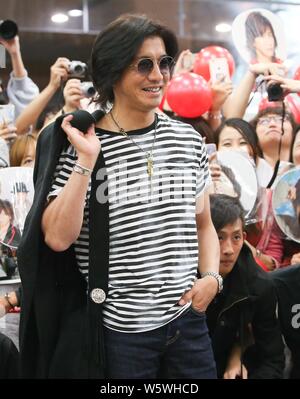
x: 144, y: 66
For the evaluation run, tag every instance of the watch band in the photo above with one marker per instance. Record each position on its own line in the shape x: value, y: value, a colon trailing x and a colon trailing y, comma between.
x: 217, y: 276
x: 82, y: 170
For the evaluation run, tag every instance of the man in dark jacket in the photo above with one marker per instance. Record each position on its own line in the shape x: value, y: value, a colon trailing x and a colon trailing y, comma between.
x: 242, y: 319
x: 287, y: 285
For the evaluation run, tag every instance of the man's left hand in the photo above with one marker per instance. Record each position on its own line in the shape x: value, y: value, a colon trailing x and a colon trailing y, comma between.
x: 202, y: 293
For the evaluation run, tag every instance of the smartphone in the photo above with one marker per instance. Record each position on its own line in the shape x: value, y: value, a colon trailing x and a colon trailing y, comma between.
x: 210, y: 148
x: 188, y: 61
x: 7, y: 115
x: 219, y: 70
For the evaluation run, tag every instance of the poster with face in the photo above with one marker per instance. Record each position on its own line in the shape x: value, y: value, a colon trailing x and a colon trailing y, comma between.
x: 286, y: 204
x: 16, y: 196
x: 258, y: 35
x: 238, y: 179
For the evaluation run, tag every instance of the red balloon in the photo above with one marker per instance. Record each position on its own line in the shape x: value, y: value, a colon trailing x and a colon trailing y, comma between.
x: 291, y: 103
x: 265, y: 103
x: 201, y: 63
x: 189, y: 95
x: 294, y: 107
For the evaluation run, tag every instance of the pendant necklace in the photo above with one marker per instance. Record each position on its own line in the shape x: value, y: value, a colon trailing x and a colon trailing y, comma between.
x: 149, y: 154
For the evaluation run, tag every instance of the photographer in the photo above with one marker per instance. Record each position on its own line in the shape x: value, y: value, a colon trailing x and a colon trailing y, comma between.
x: 72, y: 95
x: 58, y: 74
x: 288, y: 85
x: 63, y: 70
x: 236, y: 104
x: 20, y: 88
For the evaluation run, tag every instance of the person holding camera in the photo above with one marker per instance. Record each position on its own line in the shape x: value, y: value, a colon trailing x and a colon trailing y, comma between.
x: 72, y: 95
x: 236, y: 104
x: 145, y: 315
x: 29, y: 116
x: 62, y: 71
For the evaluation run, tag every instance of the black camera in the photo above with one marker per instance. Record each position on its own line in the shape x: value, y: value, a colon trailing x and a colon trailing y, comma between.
x: 275, y: 92
x: 8, y: 29
x: 88, y: 90
x: 77, y: 69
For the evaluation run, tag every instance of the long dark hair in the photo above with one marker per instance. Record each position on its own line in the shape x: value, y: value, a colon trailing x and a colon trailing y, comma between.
x: 116, y: 46
x: 244, y: 128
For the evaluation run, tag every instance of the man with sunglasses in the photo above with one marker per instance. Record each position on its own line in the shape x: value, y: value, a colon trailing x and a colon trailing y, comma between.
x: 126, y: 207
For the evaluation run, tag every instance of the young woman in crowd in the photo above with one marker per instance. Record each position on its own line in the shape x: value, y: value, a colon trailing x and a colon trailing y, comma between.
x: 22, y: 152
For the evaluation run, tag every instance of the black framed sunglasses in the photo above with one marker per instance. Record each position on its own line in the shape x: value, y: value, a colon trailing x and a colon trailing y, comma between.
x: 144, y: 66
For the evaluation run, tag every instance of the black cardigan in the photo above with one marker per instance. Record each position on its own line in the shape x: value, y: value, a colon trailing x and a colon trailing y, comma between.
x: 250, y: 299
x: 60, y: 326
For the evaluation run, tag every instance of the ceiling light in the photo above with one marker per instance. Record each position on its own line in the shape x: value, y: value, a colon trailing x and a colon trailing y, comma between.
x: 59, y: 18
x: 223, y: 28
x: 75, y: 13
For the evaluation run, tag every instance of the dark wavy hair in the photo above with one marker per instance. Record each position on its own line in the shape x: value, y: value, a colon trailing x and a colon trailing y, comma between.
x: 116, y: 46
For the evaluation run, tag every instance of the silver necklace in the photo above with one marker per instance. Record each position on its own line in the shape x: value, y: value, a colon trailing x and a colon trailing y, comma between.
x: 149, y: 154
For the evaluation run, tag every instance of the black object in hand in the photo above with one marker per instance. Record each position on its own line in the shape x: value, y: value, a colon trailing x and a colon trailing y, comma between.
x: 275, y: 92
x: 82, y: 120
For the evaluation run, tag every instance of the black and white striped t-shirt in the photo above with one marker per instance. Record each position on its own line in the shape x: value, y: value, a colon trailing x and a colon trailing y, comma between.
x: 153, y: 255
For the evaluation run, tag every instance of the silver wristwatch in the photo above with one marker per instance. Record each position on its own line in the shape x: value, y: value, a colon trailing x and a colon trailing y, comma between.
x: 217, y: 277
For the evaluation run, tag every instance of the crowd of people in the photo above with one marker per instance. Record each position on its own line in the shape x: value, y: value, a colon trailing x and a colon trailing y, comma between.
x: 136, y: 260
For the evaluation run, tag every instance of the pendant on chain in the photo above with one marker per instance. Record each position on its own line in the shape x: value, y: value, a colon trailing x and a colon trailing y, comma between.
x: 150, y: 165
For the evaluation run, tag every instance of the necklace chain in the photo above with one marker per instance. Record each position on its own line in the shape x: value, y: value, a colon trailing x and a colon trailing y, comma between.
x: 149, y: 154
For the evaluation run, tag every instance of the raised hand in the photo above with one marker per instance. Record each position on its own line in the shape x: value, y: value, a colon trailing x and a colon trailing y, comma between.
x: 87, y: 145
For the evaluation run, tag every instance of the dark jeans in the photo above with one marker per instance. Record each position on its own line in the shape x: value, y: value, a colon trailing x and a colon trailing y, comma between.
x: 180, y: 349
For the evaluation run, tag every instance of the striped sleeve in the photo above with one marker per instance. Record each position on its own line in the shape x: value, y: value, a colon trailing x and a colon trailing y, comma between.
x: 203, y: 174
x: 63, y: 171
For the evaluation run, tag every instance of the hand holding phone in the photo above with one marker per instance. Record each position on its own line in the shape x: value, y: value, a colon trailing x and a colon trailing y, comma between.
x: 219, y: 70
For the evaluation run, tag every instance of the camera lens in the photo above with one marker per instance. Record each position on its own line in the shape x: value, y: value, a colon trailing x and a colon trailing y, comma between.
x: 78, y: 69
x: 88, y: 89
x: 8, y: 29
x: 275, y: 92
